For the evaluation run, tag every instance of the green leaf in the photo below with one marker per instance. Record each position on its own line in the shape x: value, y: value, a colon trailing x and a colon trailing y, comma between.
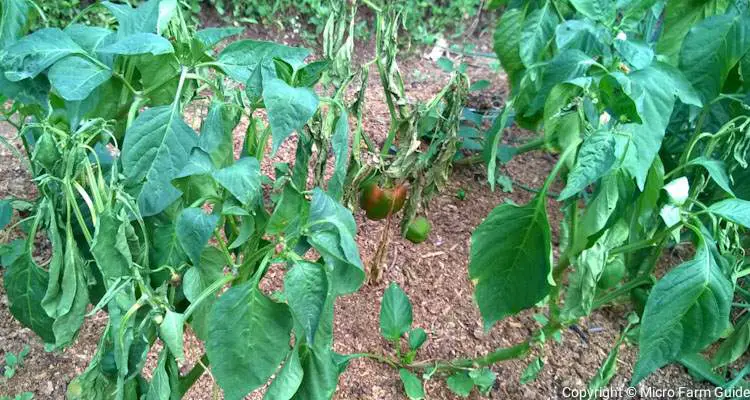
x: 110, y: 247
x: 679, y: 18
x: 537, y: 33
x: 417, y: 337
x: 212, y: 36
x: 412, y: 385
x: 14, y: 21
x: 495, y: 135
x: 507, y: 44
x: 155, y: 149
x: 687, y: 310
x: 717, y: 170
x: 194, y: 228
x: 246, y: 349
x: 242, y: 58
x: 139, y: 43
x: 479, y: 85
x: 143, y: 19
x: 34, y: 53
x: 321, y: 373
x: 583, y: 35
x: 76, y: 77
x: 340, y: 145
x: 595, y: 158
x: 170, y: 331
x: 331, y: 231
x: 216, y: 133
x: 90, y: 38
x: 460, y: 383
x: 654, y: 90
x: 511, y: 260
x: 289, y: 108
x: 306, y: 291
x: 711, y: 50
x: 484, y: 379
x: 734, y: 210
x: 160, y: 388
x: 71, y: 307
x: 287, y: 381
x: 241, y: 179
x: 589, y: 266
x: 395, y: 313
x: 197, y: 279
x: 607, y: 371
x: 159, y: 73
x: 6, y: 213
x: 25, y: 284
x: 532, y: 371
x: 734, y: 346
x: 598, y: 10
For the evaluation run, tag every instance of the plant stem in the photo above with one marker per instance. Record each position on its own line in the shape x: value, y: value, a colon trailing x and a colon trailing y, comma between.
x: 639, y: 281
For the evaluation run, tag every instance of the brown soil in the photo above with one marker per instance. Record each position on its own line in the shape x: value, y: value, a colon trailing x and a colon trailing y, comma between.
x: 433, y: 274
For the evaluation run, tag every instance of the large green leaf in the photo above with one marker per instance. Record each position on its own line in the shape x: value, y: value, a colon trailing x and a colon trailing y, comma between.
x: 734, y: 210
x: 246, y: 349
x: 216, y: 133
x: 75, y: 77
x: 598, y: 10
x: 340, y: 145
x: 507, y: 43
x: 511, y: 259
x: 589, y: 266
x: 241, y: 59
x: 143, y: 19
x: 331, y: 231
x: 412, y: 384
x: 289, y: 108
x: 34, y: 53
x: 687, y: 310
x: 679, y: 17
x: 110, y: 247
x: 155, y: 149
x: 13, y: 20
x: 717, y: 170
x: 241, y: 179
x: 306, y: 291
x: 395, y: 313
x: 595, y: 158
x: 654, y: 90
x: 139, y: 43
x: 287, y: 381
x: 711, y: 50
x: 537, y: 33
x: 71, y: 307
x: 194, y: 228
x: 210, y: 37
x: 25, y: 284
x: 320, y: 373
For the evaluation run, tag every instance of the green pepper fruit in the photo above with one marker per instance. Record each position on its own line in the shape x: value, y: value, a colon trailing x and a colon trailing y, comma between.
x: 418, y: 230
x: 639, y: 297
x: 613, y: 273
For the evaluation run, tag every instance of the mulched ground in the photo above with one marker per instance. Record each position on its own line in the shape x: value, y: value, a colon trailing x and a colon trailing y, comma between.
x: 433, y: 274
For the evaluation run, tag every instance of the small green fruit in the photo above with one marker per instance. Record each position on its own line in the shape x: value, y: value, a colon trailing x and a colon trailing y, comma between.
x: 418, y: 230
x: 613, y: 273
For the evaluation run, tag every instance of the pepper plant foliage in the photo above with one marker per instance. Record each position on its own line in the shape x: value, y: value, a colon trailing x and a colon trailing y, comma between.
x: 156, y: 223
x: 648, y: 104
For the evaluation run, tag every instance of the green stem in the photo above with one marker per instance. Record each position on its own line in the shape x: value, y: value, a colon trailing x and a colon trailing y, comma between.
x: 622, y: 290
x: 208, y: 292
